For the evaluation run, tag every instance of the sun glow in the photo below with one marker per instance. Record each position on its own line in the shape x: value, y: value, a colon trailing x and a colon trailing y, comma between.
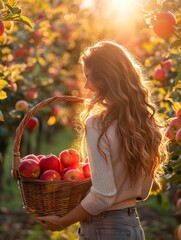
x: 122, y: 6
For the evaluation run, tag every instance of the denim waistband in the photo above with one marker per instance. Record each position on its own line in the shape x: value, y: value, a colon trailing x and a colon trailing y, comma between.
x: 130, y: 211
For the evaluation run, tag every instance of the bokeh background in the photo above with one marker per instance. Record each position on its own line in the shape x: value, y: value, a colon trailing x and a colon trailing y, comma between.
x: 39, y: 58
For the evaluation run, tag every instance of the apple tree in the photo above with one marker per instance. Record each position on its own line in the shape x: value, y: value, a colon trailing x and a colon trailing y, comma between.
x: 163, y: 65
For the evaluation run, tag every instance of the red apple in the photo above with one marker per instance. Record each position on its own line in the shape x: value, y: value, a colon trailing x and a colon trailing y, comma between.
x: 40, y: 156
x: 178, y: 113
x: 160, y: 74
x: 33, y: 123
x: 12, y: 86
x: 175, y: 124
x: 165, y: 24
x: 29, y: 168
x: 169, y: 134
x: 69, y: 158
x: 32, y: 157
x: 50, y: 162
x: 55, y: 110
x: 21, y: 53
x: 50, y: 175
x: 22, y: 105
x: 73, y: 175
x: 67, y: 169
x: 86, y: 170
x: 31, y: 94
x: 1, y: 27
x: 167, y: 65
x: 178, y: 137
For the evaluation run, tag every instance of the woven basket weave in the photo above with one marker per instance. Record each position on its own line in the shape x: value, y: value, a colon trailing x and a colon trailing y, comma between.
x: 46, y: 197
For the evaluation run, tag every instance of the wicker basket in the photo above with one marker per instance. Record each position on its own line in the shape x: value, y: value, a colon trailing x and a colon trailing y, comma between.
x: 46, y: 197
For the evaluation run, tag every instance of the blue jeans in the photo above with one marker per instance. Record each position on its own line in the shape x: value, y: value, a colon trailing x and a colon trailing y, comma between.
x: 123, y: 224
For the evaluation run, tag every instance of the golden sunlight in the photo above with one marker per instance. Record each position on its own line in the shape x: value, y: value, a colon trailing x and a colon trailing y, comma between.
x: 121, y: 6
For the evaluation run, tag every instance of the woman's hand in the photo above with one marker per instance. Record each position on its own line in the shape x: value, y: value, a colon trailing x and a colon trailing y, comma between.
x: 51, y: 222
x: 56, y: 223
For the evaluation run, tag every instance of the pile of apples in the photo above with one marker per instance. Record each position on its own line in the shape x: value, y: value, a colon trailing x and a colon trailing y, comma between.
x: 65, y: 166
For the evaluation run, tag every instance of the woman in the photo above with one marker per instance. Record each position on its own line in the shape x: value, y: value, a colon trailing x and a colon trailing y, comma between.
x: 125, y: 146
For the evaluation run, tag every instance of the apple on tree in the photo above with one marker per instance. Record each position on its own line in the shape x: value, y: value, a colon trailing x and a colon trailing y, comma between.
x: 160, y: 74
x: 167, y: 65
x: 29, y: 168
x: 31, y: 94
x: 164, y: 24
x: 69, y: 158
x: 32, y: 123
x: 174, y: 125
x: 178, y: 113
x: 21, y: 105
x: 1, y: 27
x: 12, y: 86
x: 169, y: 134
x: 178, y: 136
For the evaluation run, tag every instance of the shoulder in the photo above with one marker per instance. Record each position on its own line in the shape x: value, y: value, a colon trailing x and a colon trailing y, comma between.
x: 91, y: 121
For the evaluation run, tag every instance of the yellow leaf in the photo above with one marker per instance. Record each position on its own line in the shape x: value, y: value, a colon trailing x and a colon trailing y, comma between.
x: 169, y: 120
x: 27, y: 21
x: 1, y: 116
x: 3, y: 95
x: 12, y: 2
x: 176, y: 106
x: 162, y: 91
x: 41, y: 61
x: 3, y: 83
x: 51, y: 121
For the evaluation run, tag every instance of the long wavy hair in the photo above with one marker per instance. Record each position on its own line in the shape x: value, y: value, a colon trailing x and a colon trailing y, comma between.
x: 123, y: 94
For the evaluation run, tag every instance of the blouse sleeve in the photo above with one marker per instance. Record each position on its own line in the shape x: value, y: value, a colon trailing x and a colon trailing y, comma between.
x: 103, y: 191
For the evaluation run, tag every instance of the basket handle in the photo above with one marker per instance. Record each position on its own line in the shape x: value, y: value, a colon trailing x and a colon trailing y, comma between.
x: 23, y: 123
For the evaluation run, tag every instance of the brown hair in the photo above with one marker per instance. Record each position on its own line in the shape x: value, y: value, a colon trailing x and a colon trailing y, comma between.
x: 119, y: 80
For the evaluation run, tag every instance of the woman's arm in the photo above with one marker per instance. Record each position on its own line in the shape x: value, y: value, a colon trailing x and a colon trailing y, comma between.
x: 56, y: 223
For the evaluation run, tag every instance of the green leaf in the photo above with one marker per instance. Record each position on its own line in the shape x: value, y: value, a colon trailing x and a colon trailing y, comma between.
x: 175, y: 44
x: 1, y: 116
x: 9, y: 7
x: 178, y: 77
x: 26, y: 21
x: 16, y: 10
x: 3, y: 95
